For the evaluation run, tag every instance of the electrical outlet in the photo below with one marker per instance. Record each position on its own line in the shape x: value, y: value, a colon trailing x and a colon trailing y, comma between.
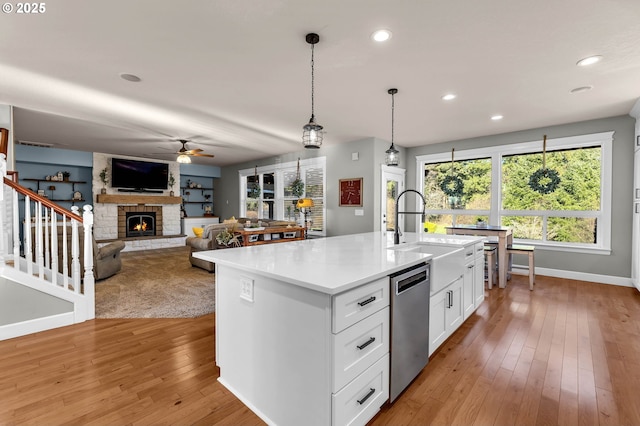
x: 246, y: 289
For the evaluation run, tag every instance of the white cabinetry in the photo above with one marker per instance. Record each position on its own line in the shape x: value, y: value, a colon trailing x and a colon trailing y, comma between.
x: 297, y: 356
x: 473, y: 286
x: 468, y: 287
x: 445, y: 313
x: 478, y: 279
x: 360, y: 352
x: 458, y: 300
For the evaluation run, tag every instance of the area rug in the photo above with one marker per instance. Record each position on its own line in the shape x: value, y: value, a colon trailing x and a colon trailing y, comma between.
x: 156, y: 284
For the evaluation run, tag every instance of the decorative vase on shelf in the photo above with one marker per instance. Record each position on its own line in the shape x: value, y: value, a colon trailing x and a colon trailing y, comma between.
x: 103, y: 191
x: 171, y: 193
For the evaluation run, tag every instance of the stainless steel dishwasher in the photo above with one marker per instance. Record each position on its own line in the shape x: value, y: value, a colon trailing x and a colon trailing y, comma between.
x: 410, y: 293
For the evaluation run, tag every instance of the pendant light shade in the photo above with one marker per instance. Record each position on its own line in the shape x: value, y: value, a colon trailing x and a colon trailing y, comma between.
x: 391, y: 158
x: 312, y: 131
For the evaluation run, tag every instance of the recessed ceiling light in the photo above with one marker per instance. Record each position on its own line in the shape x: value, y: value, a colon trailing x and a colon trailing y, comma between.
x: 581, y: 89
x: 381, y: 35
x: 449, y: 96
x: 589, y: 60
x: 497, y: 117
x: 130, y: 77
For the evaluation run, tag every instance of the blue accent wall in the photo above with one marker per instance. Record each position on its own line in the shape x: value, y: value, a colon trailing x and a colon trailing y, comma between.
x: 200, y: 170
x: 63, y: 157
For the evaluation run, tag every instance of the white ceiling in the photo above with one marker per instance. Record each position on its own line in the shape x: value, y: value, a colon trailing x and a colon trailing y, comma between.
x: 234, y: 76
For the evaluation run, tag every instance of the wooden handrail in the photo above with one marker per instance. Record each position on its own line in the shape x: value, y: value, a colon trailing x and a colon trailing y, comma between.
x: 45, y: 201
x: 4, y: 141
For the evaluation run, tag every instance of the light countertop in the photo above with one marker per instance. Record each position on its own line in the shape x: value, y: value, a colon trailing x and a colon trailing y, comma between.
x: 330, y: 265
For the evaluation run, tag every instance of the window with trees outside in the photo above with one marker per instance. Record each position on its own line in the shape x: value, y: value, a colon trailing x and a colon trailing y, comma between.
x: 276, y: 198
x: 495, y: 185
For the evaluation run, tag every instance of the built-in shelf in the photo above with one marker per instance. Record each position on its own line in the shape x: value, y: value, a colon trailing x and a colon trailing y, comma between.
x: 137, y: 199
x: 53, y: 181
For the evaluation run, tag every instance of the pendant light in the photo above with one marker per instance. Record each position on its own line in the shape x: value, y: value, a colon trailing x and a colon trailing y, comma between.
x: 312, y: 134
x: 392, y: 153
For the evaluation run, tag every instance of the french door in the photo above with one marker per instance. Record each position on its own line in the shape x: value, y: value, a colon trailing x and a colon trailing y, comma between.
x: 392, y: 186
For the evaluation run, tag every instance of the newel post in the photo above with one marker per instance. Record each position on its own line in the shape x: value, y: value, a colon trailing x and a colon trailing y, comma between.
x: 89, y: 278
x: 4, y: 218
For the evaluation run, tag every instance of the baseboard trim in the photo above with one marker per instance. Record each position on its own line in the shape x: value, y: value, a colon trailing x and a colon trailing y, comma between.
x: 573, y: 275
x: 23, y: 328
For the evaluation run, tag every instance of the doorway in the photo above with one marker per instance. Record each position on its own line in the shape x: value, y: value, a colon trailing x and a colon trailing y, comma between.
x: 392, y: 185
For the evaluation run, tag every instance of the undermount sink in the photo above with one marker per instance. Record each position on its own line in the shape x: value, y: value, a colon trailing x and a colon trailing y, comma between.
x: 447, y: 263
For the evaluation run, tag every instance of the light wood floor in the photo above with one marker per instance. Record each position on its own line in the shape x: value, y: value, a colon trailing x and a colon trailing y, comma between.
x: 566, y: 353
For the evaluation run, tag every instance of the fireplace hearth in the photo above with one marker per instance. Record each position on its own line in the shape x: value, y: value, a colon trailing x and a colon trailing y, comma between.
x: 140, y: 224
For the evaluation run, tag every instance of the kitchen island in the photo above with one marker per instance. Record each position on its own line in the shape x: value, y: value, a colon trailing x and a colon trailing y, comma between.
x: 302, y: 329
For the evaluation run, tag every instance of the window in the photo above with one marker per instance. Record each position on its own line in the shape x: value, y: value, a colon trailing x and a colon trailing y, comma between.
x: 276, y: 199
x: 570, y: 213
x: 496, y: 188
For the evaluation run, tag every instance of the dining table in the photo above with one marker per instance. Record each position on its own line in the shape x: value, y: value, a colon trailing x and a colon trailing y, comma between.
x: 505, y: 238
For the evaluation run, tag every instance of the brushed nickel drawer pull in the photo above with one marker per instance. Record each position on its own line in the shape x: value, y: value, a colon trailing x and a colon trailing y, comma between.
x: 367, y: 343
x: 366, y: 302
x: 371, y: 392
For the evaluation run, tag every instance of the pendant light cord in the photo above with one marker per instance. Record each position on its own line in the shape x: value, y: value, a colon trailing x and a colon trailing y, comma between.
x: 393, y: 107
x: 544, y: 152
x: 312, y: 81
x: 452, y: 149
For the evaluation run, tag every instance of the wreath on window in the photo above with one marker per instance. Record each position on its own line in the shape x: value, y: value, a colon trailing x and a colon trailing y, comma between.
x: 254, y: 191
x: 297, y: 187
x: 452, y: 185
x: 544, y: 180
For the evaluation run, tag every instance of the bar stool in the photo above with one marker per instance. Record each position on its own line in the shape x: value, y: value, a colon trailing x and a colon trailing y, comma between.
x: 529, y: 251
x: 490, y: 265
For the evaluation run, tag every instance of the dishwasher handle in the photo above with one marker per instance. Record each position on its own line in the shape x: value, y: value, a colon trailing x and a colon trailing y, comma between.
x: 410, y: 278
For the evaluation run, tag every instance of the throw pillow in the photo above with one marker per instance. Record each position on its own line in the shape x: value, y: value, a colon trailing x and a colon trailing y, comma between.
x: 231, y: 220
x: 198, y: 232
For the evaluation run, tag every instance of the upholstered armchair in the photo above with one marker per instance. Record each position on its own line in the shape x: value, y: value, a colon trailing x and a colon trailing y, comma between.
x: 206, y: 242
x: 106, y: 259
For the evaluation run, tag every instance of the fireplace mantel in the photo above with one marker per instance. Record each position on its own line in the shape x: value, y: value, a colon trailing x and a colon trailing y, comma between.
x: 137, y: 199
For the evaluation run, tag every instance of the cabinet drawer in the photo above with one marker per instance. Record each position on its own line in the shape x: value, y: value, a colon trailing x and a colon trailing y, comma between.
x: 469, y: 254
x: 353, y: 305
x: 359, y: 346
x: 361, y: 399
x: 479, y: 249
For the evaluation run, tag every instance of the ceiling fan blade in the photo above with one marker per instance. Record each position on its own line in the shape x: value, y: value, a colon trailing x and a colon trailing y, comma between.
x: 203, y: 155
x: 193, y: 151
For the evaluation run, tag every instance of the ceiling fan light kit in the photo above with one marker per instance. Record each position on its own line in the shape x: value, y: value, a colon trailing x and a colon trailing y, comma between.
x: 184, y: 159
x: 391, y: 157
x: 312, y: 131
x: 184, y: 154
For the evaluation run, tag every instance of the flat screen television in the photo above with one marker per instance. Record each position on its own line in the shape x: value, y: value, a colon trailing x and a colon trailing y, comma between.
x: 138, y: 175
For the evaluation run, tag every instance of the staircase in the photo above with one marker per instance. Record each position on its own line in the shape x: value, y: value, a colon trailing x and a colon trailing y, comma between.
x: 41, y: 261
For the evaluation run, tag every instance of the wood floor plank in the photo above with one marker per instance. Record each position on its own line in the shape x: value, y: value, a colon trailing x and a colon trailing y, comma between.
x: 532, y: 394
x: 565, y: 353
x: 587, y: 399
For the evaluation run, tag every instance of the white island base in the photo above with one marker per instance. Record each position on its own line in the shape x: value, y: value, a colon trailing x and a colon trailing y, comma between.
x: 303, y: 328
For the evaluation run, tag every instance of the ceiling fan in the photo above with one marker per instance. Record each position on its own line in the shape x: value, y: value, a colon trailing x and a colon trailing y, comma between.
x: 184, y: 154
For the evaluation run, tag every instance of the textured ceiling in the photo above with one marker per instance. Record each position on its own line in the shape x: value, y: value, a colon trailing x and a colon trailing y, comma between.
x: 234, y: 76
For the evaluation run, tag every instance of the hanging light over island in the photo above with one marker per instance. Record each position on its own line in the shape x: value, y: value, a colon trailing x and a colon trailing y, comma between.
x: 312, y: 134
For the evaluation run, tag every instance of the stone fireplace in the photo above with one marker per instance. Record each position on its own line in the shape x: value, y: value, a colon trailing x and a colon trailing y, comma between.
x: 139, y: 221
